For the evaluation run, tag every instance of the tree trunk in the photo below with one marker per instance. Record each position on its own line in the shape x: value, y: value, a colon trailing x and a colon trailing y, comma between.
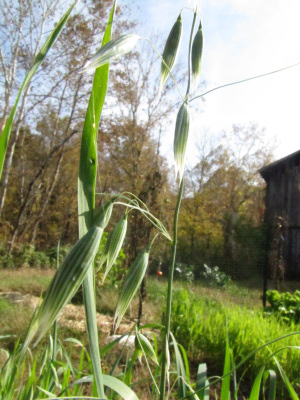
x: 48, y: 195
x: 11, y: 152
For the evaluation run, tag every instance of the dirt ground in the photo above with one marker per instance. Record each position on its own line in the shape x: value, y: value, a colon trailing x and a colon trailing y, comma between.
x: 72, y: 316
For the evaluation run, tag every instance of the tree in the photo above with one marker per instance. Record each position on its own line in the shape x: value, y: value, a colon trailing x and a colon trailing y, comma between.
x: 21, y: 35
x: 57, y: 88
x: 225, y: 196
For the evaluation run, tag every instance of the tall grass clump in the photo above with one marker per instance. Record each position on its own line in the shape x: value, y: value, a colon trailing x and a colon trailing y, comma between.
x: 199, y: 323
x: 166, y: 362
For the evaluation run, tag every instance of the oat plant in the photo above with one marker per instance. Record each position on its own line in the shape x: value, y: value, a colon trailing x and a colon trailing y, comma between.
x: 78, y: 266
x: 109, y: 52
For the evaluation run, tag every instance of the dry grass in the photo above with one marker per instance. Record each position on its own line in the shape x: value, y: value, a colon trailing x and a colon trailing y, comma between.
x: 21, y: 290
x: 25, y: 280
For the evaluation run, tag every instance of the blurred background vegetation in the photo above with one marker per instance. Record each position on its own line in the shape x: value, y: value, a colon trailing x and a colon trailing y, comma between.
x: 222, y: 212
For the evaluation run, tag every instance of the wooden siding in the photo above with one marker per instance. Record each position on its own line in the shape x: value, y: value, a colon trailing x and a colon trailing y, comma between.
x: 283, y: 200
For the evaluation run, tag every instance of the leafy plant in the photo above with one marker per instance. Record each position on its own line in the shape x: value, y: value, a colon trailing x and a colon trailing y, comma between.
x: 27, y: 256
x: 199, y: 323
x: 286, y: 306
x: 214, y: 276
x: 184, y: 272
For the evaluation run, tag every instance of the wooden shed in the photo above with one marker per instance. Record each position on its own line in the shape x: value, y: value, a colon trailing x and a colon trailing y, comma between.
x: 282, y: 214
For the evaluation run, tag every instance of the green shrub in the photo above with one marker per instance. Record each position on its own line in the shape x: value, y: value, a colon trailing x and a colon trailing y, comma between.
x: 286, y: 306
x: 215, y: 277
x: 184, y: 272
x: 6, y: 259
x: 25, y: 256
x: 52, y: 253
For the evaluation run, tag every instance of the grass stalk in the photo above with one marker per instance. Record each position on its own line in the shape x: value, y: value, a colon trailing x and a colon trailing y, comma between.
x: 169, y: 296
x: 174, y: 247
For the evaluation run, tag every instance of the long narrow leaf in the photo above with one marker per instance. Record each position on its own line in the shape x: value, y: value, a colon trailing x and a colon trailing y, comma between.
x: 234, y: 380
x: 88, y: 150
x: 202, y: 382
x: 225, y: 391
x: 181, y: 372
x: 86, y: 197
x: 114, y: 384
x: 254, y: 395
x: 272, y: 386
x: 286, y: 381
x: 4, y: 138
x: 117, y: 386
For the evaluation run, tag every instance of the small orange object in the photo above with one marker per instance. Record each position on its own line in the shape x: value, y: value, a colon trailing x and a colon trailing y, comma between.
x: 159, y: 273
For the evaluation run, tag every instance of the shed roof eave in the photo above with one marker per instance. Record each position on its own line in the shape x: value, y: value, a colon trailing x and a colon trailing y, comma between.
x: 268, y: 169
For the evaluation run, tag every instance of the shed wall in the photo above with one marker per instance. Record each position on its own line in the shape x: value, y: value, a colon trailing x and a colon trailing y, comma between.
x: 283, y: 200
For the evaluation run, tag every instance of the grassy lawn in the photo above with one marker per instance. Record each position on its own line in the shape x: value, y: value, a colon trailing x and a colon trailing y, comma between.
x: 31, y: 281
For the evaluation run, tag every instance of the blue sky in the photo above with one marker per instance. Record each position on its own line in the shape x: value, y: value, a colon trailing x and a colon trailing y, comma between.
x: 243, y: 38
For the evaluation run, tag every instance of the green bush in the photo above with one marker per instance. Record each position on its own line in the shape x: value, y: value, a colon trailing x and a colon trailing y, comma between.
x: 286, y: 306
x: 184, y: 272
x: 215, y: 277
x: 25, y: 256
x: 6, y: 259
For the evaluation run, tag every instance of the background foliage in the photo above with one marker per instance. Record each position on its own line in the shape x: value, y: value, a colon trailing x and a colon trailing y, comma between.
x: 222, y: 209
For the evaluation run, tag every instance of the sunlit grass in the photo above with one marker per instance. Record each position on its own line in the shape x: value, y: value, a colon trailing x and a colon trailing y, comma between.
x: 198, y: 315
x: 21, y: 280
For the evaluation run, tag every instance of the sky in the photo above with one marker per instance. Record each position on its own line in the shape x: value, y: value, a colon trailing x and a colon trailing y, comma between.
x: 242, y: 38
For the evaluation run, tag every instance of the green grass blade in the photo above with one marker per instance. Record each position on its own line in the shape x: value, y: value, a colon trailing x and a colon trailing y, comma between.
x: 49, y: 394
x: 86, y: 197
x: 234, y: 380
x: 112, y: 383
x: 225, y: 391
x: 110, y: 345
x: 117, y: 386
x: 202, y: 382
x: 55, y: 322
x: 186, y: 362
x: 272, y: 387
x: 181, y: 372
x: 254, y: 395
x: 286, y: 381
x: 4, y: 138
x: 131, y: 284
x: 88, y: 150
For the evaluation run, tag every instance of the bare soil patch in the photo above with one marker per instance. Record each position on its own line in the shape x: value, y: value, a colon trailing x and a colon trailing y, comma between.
x: 72, y: 316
